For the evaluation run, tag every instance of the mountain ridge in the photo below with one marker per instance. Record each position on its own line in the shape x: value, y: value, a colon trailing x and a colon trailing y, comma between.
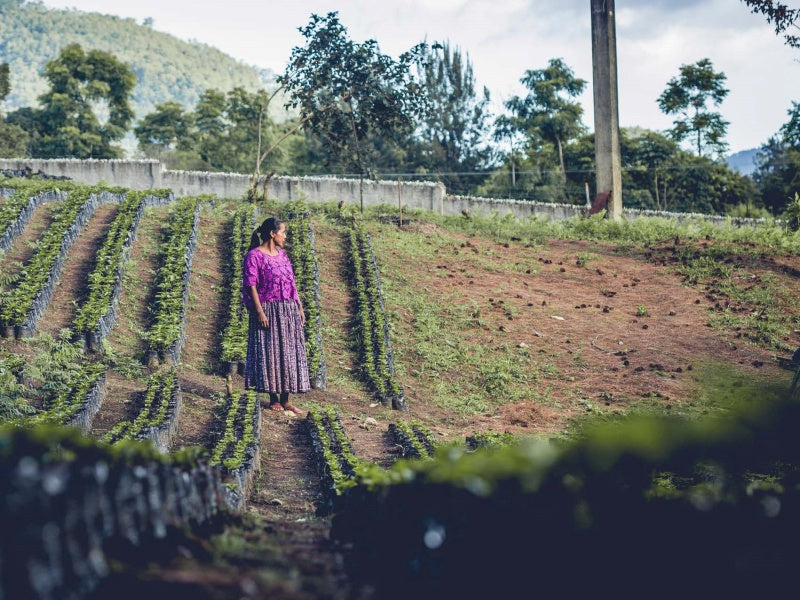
x: 166, y: 67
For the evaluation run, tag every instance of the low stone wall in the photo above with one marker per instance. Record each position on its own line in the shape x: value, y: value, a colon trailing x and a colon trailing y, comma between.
x: 428, y: 196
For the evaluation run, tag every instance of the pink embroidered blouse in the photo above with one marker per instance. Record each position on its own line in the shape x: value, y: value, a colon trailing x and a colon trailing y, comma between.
x: 272, y: 275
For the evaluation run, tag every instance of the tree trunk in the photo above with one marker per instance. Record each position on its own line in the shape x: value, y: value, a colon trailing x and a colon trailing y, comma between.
x: 658, y: 200
x: 360, y: 160
x: 563, y: 168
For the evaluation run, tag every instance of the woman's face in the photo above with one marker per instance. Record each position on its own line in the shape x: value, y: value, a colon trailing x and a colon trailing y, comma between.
x: 280, y: 236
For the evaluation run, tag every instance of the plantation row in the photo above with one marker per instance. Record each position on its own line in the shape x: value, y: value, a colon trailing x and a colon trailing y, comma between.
x: 77, y: 406
x: 22, y: 306
x: 237, y: 447
x: 165, y: 337
x: 371, y: 325
x: 304, y: 262
x: 18, y: 209
x: 66, y: 502
x: 157, y: 419
x: 234, y: 336
x: 97, y: 315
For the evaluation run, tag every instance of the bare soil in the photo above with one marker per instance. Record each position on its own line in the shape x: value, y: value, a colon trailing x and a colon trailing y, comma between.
x: 81, y: 259
x: 22, y: 249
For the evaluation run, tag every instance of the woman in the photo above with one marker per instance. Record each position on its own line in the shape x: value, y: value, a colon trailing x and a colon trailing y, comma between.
x: 276, y: 347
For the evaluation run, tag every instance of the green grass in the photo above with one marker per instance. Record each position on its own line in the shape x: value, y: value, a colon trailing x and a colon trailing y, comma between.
x: 718, y: 390
x: 463, y: 376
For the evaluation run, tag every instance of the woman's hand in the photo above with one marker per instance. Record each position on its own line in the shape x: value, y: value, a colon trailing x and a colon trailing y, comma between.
x: 263, y: 320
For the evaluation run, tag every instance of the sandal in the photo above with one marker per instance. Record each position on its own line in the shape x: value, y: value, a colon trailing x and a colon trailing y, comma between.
x: 292, y: 408
x: 276, y: 407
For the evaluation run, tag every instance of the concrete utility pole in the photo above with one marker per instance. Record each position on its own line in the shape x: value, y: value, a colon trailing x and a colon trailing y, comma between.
x: 606, y: 106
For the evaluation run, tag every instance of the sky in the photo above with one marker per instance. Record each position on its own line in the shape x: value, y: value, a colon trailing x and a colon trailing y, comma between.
x: 504, y: 38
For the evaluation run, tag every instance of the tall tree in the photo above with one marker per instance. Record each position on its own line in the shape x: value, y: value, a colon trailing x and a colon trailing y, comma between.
x: 548, y: 113
x: 86, y: 109
x: 344, y: 90
x: 791, y: 129
x: 455, y: 126
x: 13, y: 139
x: 165, y: 127
x: 778, y: 164
x: 780, y: 15
x: 5, y: 86
x: 687, y: 96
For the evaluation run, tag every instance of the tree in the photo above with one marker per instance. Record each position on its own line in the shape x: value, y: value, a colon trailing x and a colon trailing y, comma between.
x: 791, y: 129
x: 345, y: 90
x: 780, y: 15
x: 87, y: 107
x: 455, y: 125
x: 778, y: 164
x: 5, y: 86
x: 686, y: 97
x: 165, y: 127
x: 547, y: 113
x: 13, y: 139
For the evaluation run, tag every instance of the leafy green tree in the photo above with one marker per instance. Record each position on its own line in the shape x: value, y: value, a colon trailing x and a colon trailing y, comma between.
x: 777, y: 173
x: 86, y: 109
x: 781, y: 16
x: 548, y: 113
x: 345, y: 90
x: 778, y: 165
x: 686, y: 97
x: 791, y: 129
x: 5, y: 86
x: 13, y: 139
x: 452, y: 134
x: 165, y: 127
x: 229, y: 128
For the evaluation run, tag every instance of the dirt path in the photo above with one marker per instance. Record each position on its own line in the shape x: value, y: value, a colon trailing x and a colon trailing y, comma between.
x: 71, y: 288
x: 137, y: 286
x: 352, y: 399
x: 22, y: 249
x: 125, y: 340
x: 122, y: 397
x: 199, y: 369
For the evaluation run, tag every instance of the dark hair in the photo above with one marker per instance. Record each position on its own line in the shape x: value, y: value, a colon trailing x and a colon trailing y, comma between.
x: 261, y: 234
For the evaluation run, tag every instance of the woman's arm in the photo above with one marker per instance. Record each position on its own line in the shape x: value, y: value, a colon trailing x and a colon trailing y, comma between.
x: 262, y: 316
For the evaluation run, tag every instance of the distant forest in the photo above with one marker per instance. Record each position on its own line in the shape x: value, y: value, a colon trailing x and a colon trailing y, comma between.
x: 166, y: 68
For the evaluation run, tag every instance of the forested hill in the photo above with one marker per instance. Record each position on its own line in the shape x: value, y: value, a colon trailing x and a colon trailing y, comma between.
x: 166, y: 68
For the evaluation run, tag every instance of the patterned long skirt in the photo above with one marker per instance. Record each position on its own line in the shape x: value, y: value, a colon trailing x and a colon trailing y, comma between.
x: 276, y: 357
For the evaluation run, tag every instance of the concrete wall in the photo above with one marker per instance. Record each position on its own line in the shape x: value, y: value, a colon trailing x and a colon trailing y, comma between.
x: 150, y: 174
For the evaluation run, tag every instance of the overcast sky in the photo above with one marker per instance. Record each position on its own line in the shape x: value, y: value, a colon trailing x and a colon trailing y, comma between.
x: 505, y: 37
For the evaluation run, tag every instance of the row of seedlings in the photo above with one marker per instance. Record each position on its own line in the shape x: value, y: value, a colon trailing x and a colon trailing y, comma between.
x: 97, y: 314
x: 22, y: 306
x: 337, y: 465
x: 76, y: 406
x: 166, y: 336
x: 489, y: 439
x: 157, y: 418
x: 237, y: 448
x: 66, y: 502
x: 17, y: 210
x: 414, y: 439
x: 372, y: 326
x: 234, y: 335
x: 304, y: 262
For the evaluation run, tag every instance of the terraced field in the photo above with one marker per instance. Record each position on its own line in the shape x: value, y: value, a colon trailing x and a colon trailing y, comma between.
x: 474, y: 327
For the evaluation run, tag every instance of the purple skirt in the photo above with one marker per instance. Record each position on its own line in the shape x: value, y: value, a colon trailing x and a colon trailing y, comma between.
x: 276, y: 356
